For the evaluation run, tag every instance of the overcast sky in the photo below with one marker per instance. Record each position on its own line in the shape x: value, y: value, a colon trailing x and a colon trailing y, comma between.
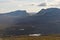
x: 28, y: 5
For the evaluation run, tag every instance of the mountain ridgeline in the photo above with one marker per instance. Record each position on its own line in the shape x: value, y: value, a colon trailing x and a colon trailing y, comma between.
x: 46, y: 21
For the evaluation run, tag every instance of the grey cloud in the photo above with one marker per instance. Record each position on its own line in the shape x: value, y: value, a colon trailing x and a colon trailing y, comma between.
x: 42, y: 4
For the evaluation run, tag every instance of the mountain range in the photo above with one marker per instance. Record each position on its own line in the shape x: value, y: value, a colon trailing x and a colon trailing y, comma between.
x: 46, y: 21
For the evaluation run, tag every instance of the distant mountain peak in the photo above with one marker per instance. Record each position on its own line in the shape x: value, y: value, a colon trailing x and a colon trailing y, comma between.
x: 20, y: 11
x: 49, y: 11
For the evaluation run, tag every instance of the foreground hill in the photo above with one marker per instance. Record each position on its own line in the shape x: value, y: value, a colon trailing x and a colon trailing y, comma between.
x: 46, y: 21
x: 8, y: 19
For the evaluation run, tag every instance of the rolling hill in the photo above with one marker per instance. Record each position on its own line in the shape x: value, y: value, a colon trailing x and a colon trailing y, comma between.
x: 46, y: 21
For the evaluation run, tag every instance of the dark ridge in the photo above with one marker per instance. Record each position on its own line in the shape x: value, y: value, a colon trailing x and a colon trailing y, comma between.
x: 46, y: 21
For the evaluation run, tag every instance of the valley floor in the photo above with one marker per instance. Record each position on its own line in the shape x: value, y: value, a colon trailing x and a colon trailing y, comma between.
x: 31, y: 38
